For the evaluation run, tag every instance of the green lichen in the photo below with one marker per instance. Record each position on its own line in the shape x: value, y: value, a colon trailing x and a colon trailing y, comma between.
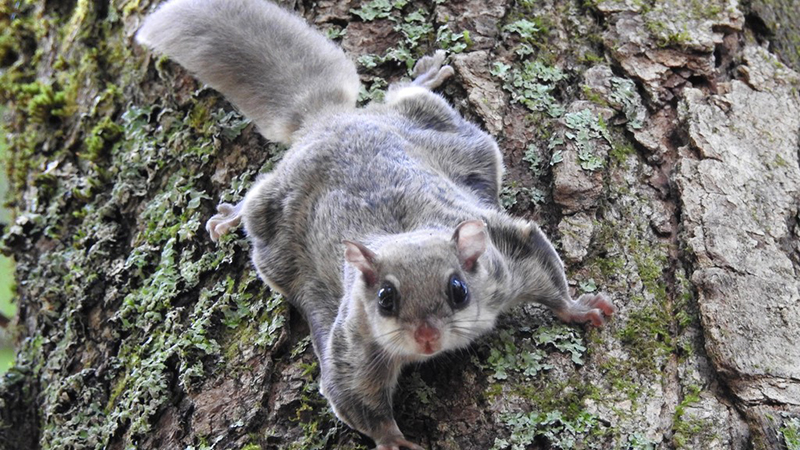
x: 506, y: 356
x: 417, y: 30
x: 559, y: 431
x: 525, y: 28
x: 636, y: 441
x: 513, y: 192
x: 528, y: 356
x: 378, y: 9
x: 532, y: 84
x: 588, y: 286
x: 534, y: 158
x: 584, y: 129
x: 624, y: 94
x: 453, y: 42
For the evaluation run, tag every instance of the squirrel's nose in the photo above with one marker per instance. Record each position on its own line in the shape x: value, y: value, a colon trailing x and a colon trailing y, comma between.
x: 426, y: 334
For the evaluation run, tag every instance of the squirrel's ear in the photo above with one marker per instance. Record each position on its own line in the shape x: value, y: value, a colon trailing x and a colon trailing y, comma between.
x: 470, y: 240
x: 362, y: 259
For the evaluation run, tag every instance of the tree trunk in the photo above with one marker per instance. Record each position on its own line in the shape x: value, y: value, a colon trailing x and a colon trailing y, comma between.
x: 655, y: 142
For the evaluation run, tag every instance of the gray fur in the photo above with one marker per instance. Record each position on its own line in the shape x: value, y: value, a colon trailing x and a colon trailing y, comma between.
x: 278, y: 75
x: 396, y: 179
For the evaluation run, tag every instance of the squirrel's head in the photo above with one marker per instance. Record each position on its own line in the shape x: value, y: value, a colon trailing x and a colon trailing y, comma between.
x: 426, y: 292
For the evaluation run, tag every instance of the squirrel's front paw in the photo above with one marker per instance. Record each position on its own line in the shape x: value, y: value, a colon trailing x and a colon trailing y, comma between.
x: 397, y: 443
x: 429, y: 71
x: 592, y: 308
x: 229, y: 217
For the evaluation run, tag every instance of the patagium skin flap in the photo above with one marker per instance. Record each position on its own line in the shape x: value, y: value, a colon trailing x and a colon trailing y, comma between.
x: 381, y: 224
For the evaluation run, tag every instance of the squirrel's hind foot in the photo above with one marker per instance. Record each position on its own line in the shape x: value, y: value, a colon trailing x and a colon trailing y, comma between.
x: 229, y: 217
x: 398, y: 444
x: 591, y: 308
x: 429, y: 71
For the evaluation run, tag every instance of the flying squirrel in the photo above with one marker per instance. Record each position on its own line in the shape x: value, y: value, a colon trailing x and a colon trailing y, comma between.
x: 381, y: 224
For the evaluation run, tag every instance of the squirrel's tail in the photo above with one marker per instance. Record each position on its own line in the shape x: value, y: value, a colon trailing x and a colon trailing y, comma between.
x: 267, y: 61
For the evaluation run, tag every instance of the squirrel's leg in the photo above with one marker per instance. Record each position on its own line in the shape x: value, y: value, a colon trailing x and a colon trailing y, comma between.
x: 358, y: 380
x: 377, y: 423
x: 463, y: 152
x: 229, y: 217
x: 537, y: 274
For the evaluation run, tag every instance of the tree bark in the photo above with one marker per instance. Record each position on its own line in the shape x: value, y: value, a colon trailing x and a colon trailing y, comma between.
x: 655, y: 142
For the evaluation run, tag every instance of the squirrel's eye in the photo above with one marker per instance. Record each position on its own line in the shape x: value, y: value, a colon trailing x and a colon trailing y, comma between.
x: 387, y: 298
x: 457, y: 292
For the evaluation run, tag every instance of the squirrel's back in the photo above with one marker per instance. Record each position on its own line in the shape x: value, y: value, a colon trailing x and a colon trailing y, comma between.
x: 267, y: 61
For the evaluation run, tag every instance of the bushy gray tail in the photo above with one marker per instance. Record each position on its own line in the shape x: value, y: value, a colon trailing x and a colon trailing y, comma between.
x: 267, y: 61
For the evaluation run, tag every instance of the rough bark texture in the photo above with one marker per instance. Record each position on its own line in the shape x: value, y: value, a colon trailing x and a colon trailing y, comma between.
x: 657, y: 142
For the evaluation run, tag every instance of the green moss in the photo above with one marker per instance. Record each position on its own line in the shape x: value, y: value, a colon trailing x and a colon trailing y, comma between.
x: 320, y: 429
x: 94, y: 171
x: 610, y: 266
x: 199, y: 118
x: 592, y: 95
x: 647, y: 333
x: 591, y: 58
x: 671, y: 22
x: 41, y: 101
x: 81, y: 23
x: 676, y: 39
x: 687, y: 429
x: 638, y: 263
x: 649, y: 329
x: 621, y: 375
x: 103, y: 134
x: 790, y: 430
x: 621, y: 151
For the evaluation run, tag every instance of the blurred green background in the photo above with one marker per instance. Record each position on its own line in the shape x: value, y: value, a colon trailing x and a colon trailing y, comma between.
x: 7, y: 308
